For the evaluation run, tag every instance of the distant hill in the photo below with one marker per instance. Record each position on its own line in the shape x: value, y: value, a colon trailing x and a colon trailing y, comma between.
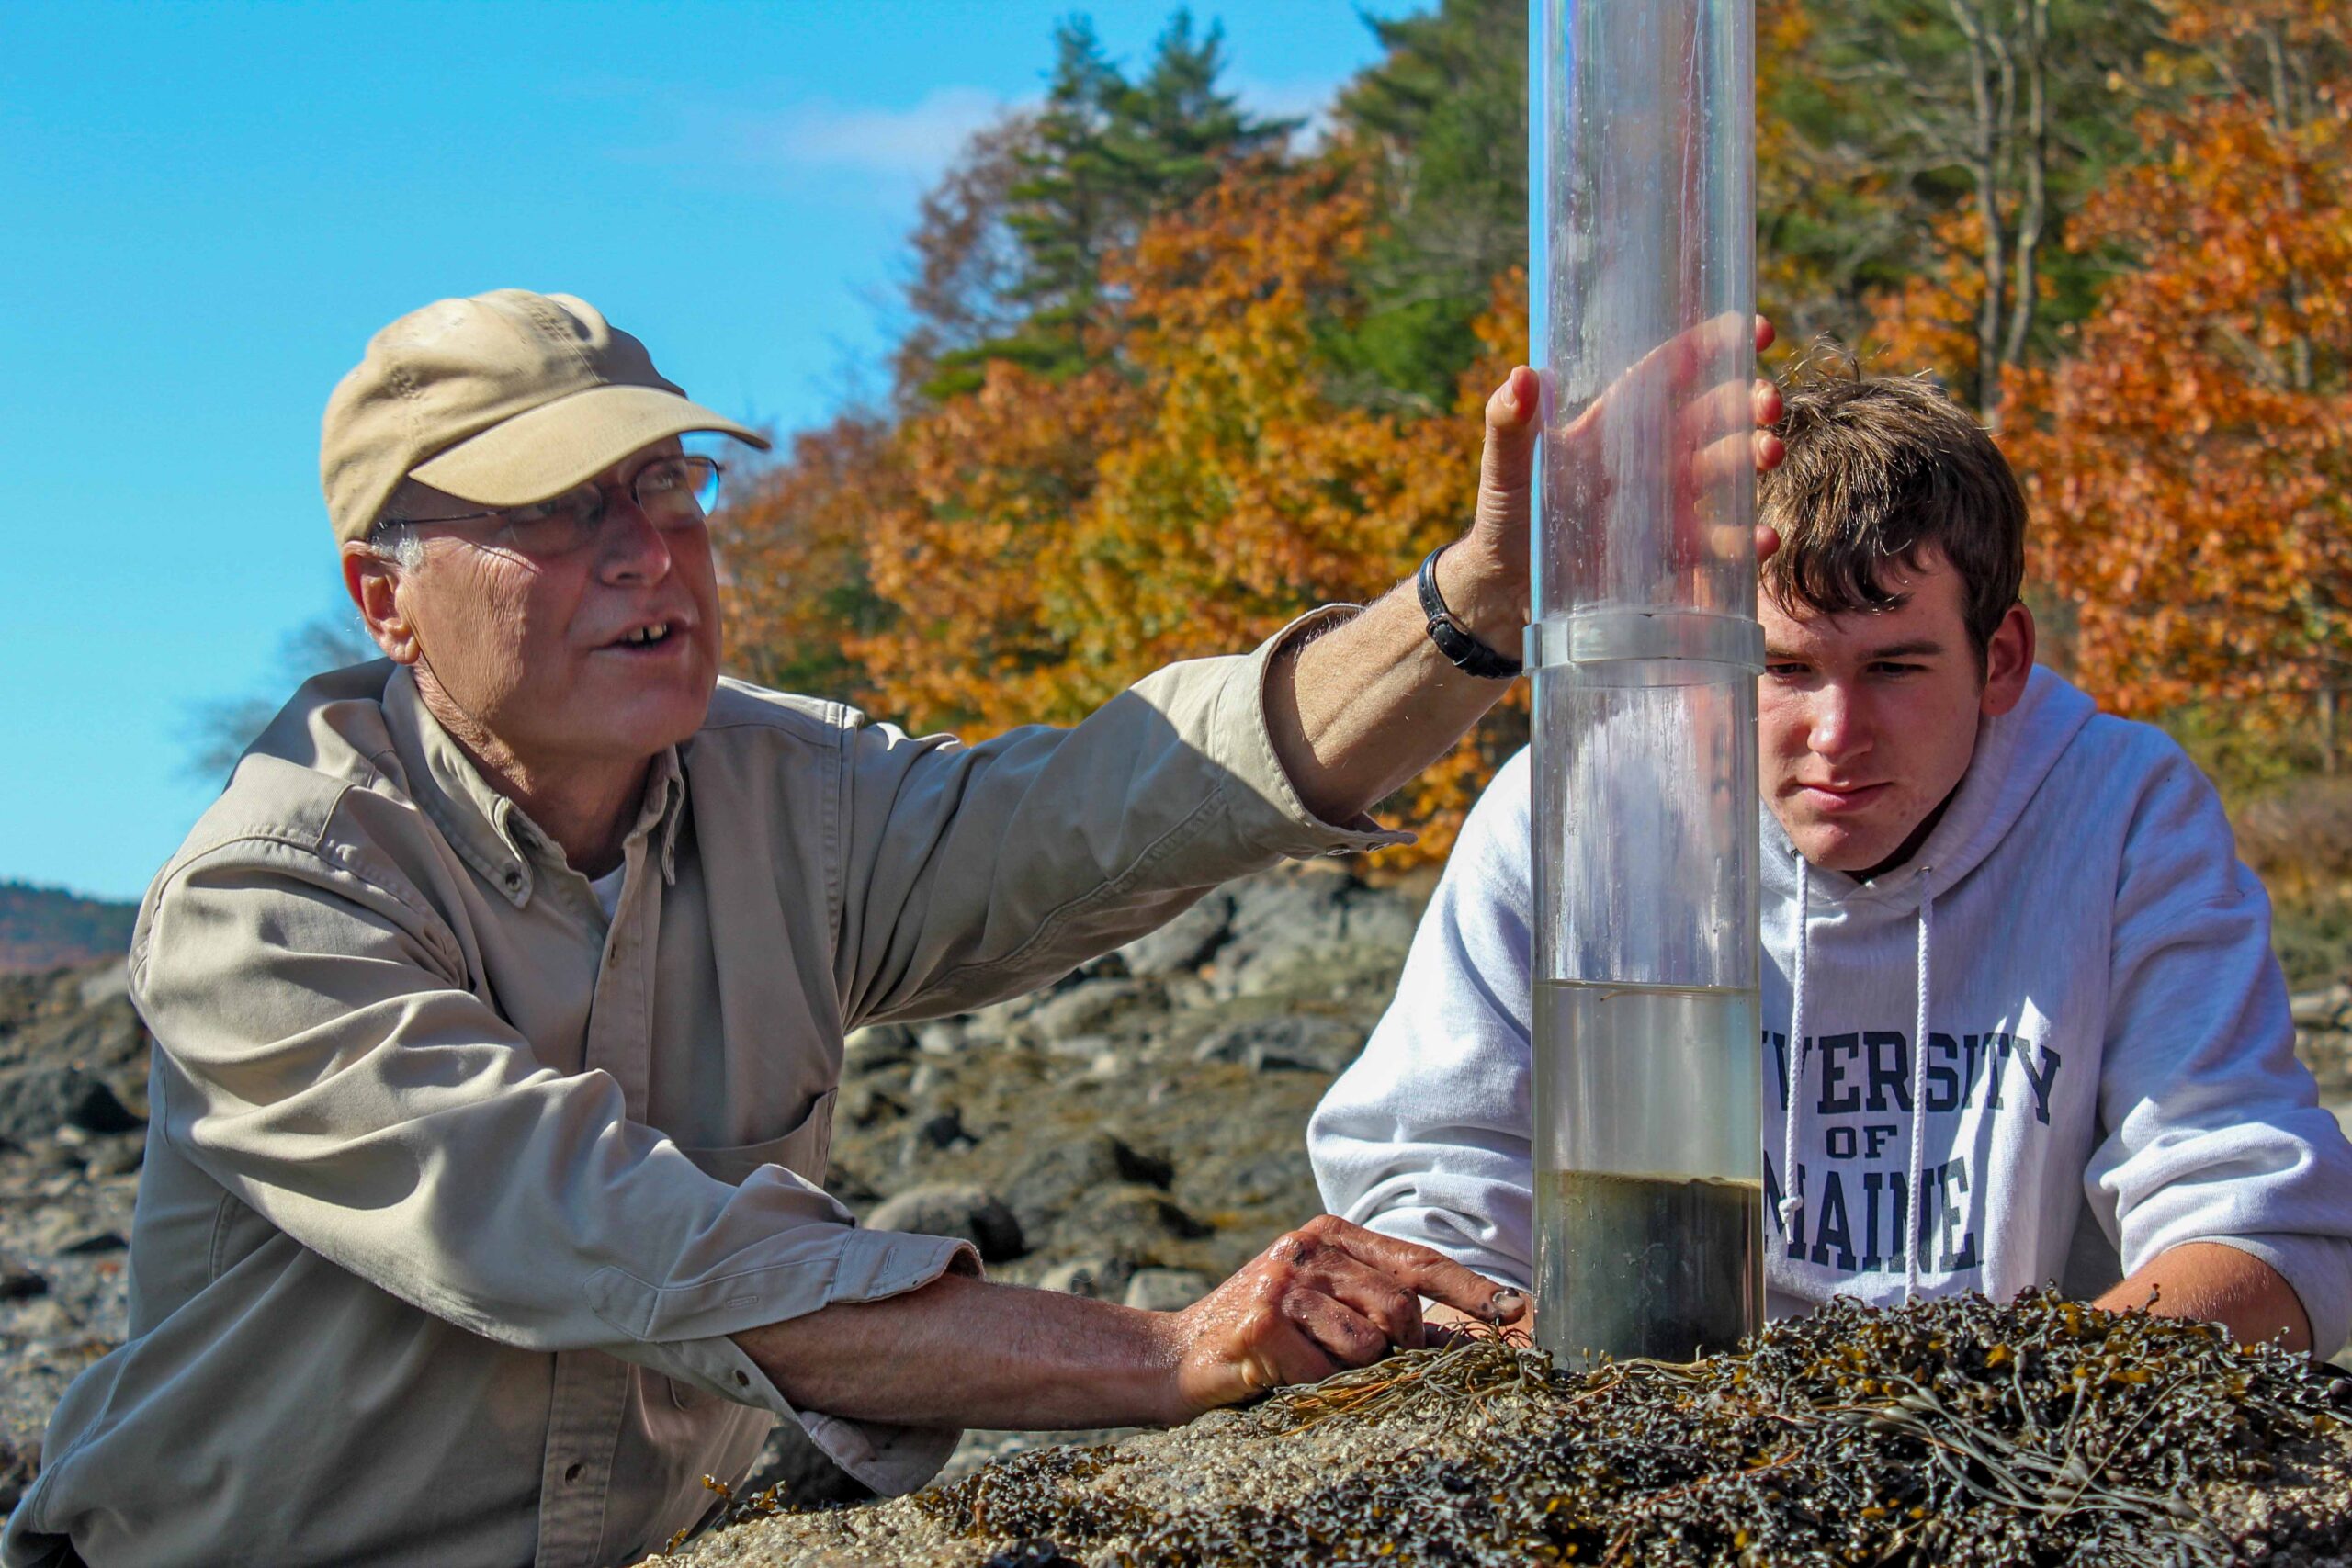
x: 43, y: 927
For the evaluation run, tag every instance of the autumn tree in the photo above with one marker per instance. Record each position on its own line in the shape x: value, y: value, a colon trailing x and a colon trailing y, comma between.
x: 1917, y: 161
x: 1088, y: 169
x: 1442, y: 120
x: 2192, y: 458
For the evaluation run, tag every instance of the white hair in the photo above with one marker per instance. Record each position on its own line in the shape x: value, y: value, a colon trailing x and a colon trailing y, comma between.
x: 393, y: 540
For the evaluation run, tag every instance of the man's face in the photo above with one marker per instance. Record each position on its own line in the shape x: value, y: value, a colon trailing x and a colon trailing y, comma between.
x: 1868, y: 720
x: 544, y: 654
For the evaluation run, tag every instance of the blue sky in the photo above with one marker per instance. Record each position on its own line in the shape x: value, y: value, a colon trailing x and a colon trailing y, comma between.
x: 211, y: 207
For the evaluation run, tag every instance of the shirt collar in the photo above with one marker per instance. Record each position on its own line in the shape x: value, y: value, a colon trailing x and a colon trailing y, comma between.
x: 490, y: 832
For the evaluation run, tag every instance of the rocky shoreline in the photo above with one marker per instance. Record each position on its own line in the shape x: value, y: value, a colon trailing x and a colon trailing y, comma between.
x: 1135, y: 1132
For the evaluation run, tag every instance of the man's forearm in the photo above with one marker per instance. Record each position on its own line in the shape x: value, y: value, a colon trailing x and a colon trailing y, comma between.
x: 1361, y: 709
x: 962, y: 1352
x: 2215, y: 1283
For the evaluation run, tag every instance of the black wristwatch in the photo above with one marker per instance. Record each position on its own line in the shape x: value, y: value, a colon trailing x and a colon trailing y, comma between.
x: 1453, y: 638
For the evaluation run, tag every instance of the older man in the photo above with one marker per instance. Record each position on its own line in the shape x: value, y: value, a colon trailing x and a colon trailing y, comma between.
x: 500, y: 1003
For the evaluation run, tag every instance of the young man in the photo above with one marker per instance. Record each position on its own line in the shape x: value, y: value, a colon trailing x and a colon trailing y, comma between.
x: 2009, y: 947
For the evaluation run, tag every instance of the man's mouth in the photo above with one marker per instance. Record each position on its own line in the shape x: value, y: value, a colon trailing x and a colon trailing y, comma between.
x: 1836, y: 796
x: 644, y: 635
x: 654, y: 634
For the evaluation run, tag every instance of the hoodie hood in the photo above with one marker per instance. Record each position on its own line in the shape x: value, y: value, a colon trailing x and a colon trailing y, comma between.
x: 2015, y: 754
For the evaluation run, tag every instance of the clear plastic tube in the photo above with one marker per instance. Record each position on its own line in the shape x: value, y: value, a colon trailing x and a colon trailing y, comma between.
x: 1645, y: 651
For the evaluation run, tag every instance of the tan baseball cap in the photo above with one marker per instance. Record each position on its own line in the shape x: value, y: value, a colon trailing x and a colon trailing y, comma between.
x: 505, y: 399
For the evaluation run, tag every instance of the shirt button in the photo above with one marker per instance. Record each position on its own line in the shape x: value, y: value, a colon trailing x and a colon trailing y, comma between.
x: 571, y: 1472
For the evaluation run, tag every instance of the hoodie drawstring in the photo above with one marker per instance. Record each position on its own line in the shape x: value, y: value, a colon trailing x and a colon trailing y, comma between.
x: 1793, y: 1203
x: 1914, y: 1228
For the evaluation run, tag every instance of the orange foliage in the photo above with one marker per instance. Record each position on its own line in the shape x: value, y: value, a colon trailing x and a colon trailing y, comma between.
x: 1035, y: 547
x: 2192, y: 458
x: 1928, y: 323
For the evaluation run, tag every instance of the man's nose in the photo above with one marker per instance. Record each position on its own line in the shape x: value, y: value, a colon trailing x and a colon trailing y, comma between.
x: 630, y: 547
x: 1838, y: 728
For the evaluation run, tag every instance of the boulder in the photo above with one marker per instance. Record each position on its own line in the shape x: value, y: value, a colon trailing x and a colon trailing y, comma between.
x: 954, y: 1209
x: 39, y: 1099
x: 1310, y: 924
x: 1103, y: 1278
x: 19, y: 1463
x: 877, y: 1046
x: 1286, y: 1043
x: 1183, y: 942
x: 2328, y: 1009
x: 1130, y: 1216
x: 1080, y: 1011
x: 945, y: 1130
x: 19, y: 1281
x: 1167, y: 1289
x: 1047, y: 1184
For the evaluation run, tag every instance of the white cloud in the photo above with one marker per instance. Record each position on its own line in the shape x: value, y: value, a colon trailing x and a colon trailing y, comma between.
x: 914, y: 142
x: 1310, y: 100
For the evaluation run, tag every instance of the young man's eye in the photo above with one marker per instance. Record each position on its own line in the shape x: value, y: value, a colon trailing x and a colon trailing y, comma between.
x: 1888, y: 668
x: 1783, y: 672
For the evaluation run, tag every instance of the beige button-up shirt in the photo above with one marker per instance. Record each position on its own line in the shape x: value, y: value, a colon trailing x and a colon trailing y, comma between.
x: 454, y: 1191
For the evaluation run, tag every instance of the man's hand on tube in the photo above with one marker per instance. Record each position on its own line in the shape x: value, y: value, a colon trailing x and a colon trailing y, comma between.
x: 1355, y: 713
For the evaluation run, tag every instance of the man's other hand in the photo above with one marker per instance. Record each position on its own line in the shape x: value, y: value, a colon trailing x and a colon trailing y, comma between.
x: 1328, y: 1296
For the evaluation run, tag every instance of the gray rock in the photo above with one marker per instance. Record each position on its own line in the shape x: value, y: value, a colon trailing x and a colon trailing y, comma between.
x: 19, y: 1463
x: 864, y: 1104
x: 103, y: 985
x: 1103, y: 1278
x: 117, y: 1155
x: 877, y: 1046
x: 38, y: 1099
x: 1078, y: 1011
x: 1049, y: 1182
x: 1167, y: 1289
x: 1316, y: 923
x: 1293, y: 1041
x: 946, y: 1131
x: 954, y: 1209
x: 2329, y: 1008
x: 939, y: 1037
x: 1119, y: 1218
x: 1281, y: 1178
x: 20, y: 1283
x: 1183, y: 942
x: 96, y: 1242
x: 1088, y: 1047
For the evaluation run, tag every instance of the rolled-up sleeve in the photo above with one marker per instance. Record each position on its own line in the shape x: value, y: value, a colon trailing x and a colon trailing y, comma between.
x: 322, y: 1058
x: 979, y: 872
x: 2216, y: 1130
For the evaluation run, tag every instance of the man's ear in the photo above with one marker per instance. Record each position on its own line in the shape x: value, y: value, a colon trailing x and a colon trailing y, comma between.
x: 2008, y: 660
x: 374, y: 584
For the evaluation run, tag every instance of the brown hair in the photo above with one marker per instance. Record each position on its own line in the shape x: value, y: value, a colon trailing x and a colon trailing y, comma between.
x: 1887, y: 469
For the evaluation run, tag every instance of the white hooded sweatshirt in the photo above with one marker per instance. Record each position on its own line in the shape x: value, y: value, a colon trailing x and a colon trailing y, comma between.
x: 2106, y: 1027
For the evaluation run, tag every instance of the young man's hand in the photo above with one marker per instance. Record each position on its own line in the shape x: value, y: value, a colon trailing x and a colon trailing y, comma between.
x: 1328, y: 1296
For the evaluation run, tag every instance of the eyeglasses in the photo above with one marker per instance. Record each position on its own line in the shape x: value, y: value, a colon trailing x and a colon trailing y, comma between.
x: 672, y: 493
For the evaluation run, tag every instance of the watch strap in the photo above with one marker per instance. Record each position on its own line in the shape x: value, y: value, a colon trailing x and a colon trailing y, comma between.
x: 1465, y: 652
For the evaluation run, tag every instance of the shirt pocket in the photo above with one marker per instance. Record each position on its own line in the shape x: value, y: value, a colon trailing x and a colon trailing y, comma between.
x: 803, y: 1151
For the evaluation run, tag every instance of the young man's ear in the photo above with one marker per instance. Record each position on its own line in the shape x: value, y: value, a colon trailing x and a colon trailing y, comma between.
x: 2008, y: 660
x: 373, y: 583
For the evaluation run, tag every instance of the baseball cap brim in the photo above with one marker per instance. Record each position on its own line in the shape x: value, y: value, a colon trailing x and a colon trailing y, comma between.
x: 546, y: 450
